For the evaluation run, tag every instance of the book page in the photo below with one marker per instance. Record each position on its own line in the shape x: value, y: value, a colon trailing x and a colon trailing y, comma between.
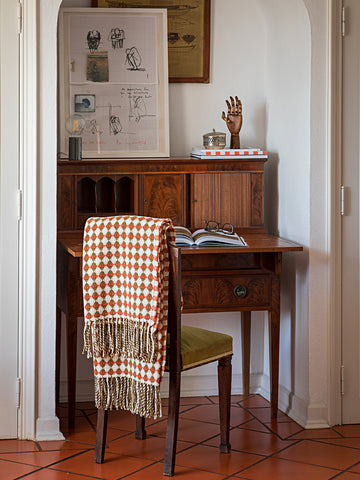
x: 203, y: 237
x: 183, y: 236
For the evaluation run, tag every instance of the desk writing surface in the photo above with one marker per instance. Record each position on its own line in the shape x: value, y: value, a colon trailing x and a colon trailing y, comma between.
x: 73, y: 241
x: 159, y: 165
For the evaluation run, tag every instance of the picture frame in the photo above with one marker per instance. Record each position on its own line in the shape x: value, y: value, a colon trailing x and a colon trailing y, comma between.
x: 188, y: 35
x: 113, y: 82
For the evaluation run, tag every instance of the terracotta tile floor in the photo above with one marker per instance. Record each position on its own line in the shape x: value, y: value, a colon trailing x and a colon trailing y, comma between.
x: 261, y: 448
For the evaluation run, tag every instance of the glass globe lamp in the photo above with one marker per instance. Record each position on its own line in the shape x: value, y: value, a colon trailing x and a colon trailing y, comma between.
x: 75, y: 126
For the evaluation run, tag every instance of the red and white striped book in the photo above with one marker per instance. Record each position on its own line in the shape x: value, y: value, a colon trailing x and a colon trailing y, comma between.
x: 229, y: 152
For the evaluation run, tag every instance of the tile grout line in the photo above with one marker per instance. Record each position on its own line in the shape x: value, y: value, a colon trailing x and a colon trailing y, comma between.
x: 80, y: 475
x: 264, y: 424
x: 318, y: 440
x: 51, y: 464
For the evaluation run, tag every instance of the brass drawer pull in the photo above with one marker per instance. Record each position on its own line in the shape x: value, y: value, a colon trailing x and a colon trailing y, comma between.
x: 240, y: 291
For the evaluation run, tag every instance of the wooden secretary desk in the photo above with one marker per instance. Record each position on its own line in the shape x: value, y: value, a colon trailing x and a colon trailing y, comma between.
x: 189, y: 191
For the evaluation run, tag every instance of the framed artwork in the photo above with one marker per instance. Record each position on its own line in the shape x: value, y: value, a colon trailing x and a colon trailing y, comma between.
x: 113, y: 82
x: 188, y: 35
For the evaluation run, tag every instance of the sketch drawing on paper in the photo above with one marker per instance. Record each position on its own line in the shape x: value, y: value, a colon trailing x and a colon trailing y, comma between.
x: 179, y: 14
x: 93, y: 40
x: 173, y: 37
x: 115, y: 126
x: 92, y: 127
x: 180, y: 10
x: 116, y: 36
x: 188, y: 38
x: 133, y: 59
x: 137, y: 108
x: 183, y: 43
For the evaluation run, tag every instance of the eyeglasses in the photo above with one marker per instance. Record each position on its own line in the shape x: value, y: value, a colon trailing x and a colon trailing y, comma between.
x: 212, y: 226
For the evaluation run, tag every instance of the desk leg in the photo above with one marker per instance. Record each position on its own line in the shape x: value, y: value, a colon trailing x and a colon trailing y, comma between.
x: 71, y: 321
x: 274, y: 334
x: 73, y: 294
x: 57, y: 355
x: 245, y: 344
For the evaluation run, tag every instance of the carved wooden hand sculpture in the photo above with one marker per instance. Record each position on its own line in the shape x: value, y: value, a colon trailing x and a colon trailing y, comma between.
x: 234, y: 120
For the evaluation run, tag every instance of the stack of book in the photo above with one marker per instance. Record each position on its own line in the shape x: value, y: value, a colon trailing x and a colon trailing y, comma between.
x: 229, y: 152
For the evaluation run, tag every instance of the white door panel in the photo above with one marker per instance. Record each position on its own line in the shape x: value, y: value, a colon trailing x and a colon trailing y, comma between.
x: 9, y: 163
x: 350, y: 220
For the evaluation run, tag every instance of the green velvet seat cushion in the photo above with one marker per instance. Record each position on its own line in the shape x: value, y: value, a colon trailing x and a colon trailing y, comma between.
x: 199, y: 346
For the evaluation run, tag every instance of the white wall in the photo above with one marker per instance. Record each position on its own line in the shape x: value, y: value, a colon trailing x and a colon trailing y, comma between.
x: 236, y: 68
x: 287, y: 182
x: 251, y: 59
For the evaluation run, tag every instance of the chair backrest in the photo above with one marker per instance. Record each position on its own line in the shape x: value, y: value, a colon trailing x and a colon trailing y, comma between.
x: 125, y: 291
x: 174, y: 315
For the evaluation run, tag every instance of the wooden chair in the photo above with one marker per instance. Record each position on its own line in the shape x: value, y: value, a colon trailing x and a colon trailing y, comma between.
x: 187, y: 347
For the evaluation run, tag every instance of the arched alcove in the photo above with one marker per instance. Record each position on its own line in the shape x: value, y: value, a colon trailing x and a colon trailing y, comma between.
x: 287, y: 179
x: 250, y: 60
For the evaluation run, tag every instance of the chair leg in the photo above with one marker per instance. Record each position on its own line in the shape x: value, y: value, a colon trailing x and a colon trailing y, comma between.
x: 140, y: 433
x: 173, y: 422
x: 102, y: 418
x: 224, y: 382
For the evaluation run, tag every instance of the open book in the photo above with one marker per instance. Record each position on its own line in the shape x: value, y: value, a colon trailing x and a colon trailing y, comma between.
x: 202, y: 237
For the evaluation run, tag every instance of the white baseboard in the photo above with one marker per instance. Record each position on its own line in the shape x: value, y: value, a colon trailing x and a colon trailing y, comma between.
x: 191, y: 386
x: 84, y: 391
x: 308, y: 416
x: 48, y: 428
x: 317, y: 416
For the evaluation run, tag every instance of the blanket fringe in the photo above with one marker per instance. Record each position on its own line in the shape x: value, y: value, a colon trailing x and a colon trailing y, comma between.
x: 128, y: 394
x: 121, y: 337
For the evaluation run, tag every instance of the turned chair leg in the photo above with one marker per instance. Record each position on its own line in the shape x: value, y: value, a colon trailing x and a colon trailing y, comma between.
x: 140, y: 433
x: 102, y: 418
x: 173, y: 422
x: 224, y: 382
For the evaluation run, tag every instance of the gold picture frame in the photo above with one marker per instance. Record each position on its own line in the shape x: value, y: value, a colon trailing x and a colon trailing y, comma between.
x: 188, y: 35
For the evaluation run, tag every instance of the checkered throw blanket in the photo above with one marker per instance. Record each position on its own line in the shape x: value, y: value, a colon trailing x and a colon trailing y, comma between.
x: 125, y: 290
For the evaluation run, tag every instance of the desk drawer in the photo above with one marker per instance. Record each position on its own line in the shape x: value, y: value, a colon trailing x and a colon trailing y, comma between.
x: 226, y: 292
